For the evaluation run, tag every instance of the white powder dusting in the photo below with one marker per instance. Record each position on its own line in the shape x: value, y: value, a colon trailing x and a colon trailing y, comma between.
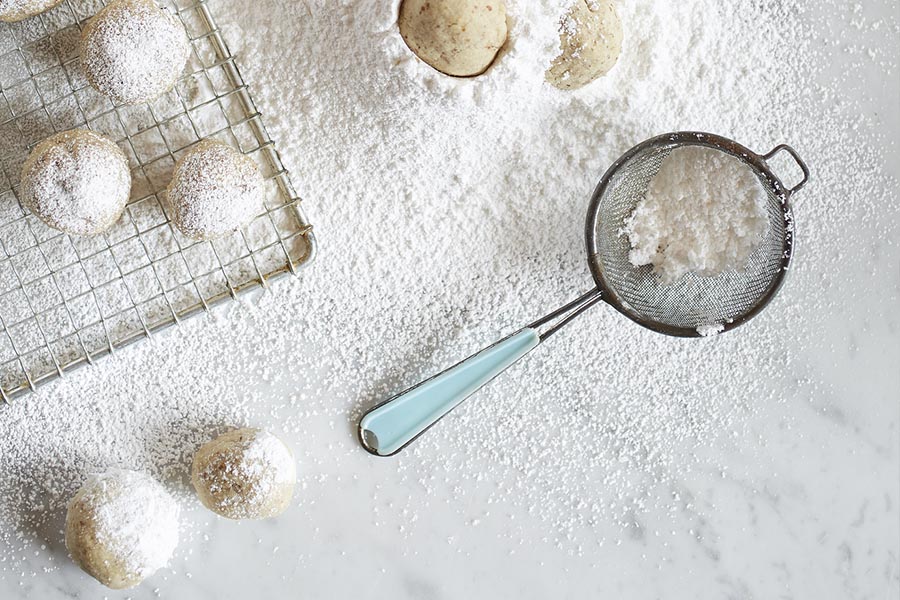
x: 704, y: 213
x: 458, y: 207
x: 267, y: 458
x: 133, y: 518
x: 134, y: 51
x: 451, y: 212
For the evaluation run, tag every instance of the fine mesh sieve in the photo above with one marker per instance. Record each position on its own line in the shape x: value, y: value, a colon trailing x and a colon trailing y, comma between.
x: 729, y: 299
x: 687, y: 308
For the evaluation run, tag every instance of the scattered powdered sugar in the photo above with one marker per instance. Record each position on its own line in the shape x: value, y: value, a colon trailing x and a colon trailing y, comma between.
x: 132, y: 517
x: 134, y: 51
x: 77, y: 181
x: 266, y: 458
x: 704, y: 213
x: 215, y: 190
x: 451, y: 212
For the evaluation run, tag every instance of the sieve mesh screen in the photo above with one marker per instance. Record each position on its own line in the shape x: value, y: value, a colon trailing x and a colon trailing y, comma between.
x: 694, y: 300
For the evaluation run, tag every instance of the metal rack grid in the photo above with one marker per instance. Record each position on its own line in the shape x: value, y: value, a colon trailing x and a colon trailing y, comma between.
x: 66, y: 301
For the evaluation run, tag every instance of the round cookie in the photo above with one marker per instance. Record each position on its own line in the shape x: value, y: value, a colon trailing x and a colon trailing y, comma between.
x: 245, y: 474
x: 121, y: 527
x: 134, y: 51
x: 77, y: 182
x: 17, y: 10
x: 215, y: 190
x: 590, y: 40
x: 457, y: 37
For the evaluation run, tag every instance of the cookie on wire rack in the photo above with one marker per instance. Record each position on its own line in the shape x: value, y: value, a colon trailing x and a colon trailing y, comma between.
x: 134, y: 51
x: 77, y: 182
x: 214, y: 191
x: 19, y: 10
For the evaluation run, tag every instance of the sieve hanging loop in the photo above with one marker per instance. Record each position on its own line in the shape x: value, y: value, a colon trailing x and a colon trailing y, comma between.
x: 800, y: 163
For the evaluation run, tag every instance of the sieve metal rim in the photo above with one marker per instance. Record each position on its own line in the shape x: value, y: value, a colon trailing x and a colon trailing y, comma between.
x: 729, y: 146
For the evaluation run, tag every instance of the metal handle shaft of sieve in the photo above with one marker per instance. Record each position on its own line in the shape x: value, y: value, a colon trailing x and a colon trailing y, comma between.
x: 390, y: 426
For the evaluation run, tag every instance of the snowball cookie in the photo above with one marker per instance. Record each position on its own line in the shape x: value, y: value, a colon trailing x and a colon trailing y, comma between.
x: 77, y: 182
x: 456, y: 37
x: 590, y: 40
x: 245, y: 474
x: 121, y: 528
x: 215, y: 190
x: 134, y: 51
x: 17, y: 10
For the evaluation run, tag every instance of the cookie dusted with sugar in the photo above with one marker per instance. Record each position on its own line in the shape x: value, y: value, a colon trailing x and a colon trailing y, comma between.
x: 590, y: 37
x: 134, y: 51
x: 18, y: 10
x: 245, y: 474
x: 121, y: 527
x: 215, y: 190
x: 77, y: 182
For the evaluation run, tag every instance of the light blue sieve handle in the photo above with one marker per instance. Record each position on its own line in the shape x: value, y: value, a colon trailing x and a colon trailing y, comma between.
x: 387, y: 428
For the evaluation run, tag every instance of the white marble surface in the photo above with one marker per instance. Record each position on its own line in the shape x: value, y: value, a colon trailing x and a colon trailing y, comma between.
x: 807, y: 507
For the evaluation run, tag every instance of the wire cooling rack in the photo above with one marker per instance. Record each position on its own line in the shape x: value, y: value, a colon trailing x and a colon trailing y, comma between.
x: 66, y: 301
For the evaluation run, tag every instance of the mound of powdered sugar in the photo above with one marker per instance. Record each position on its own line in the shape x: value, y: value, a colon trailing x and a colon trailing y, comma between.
x: 134, y: 51
x: 704, y: 213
